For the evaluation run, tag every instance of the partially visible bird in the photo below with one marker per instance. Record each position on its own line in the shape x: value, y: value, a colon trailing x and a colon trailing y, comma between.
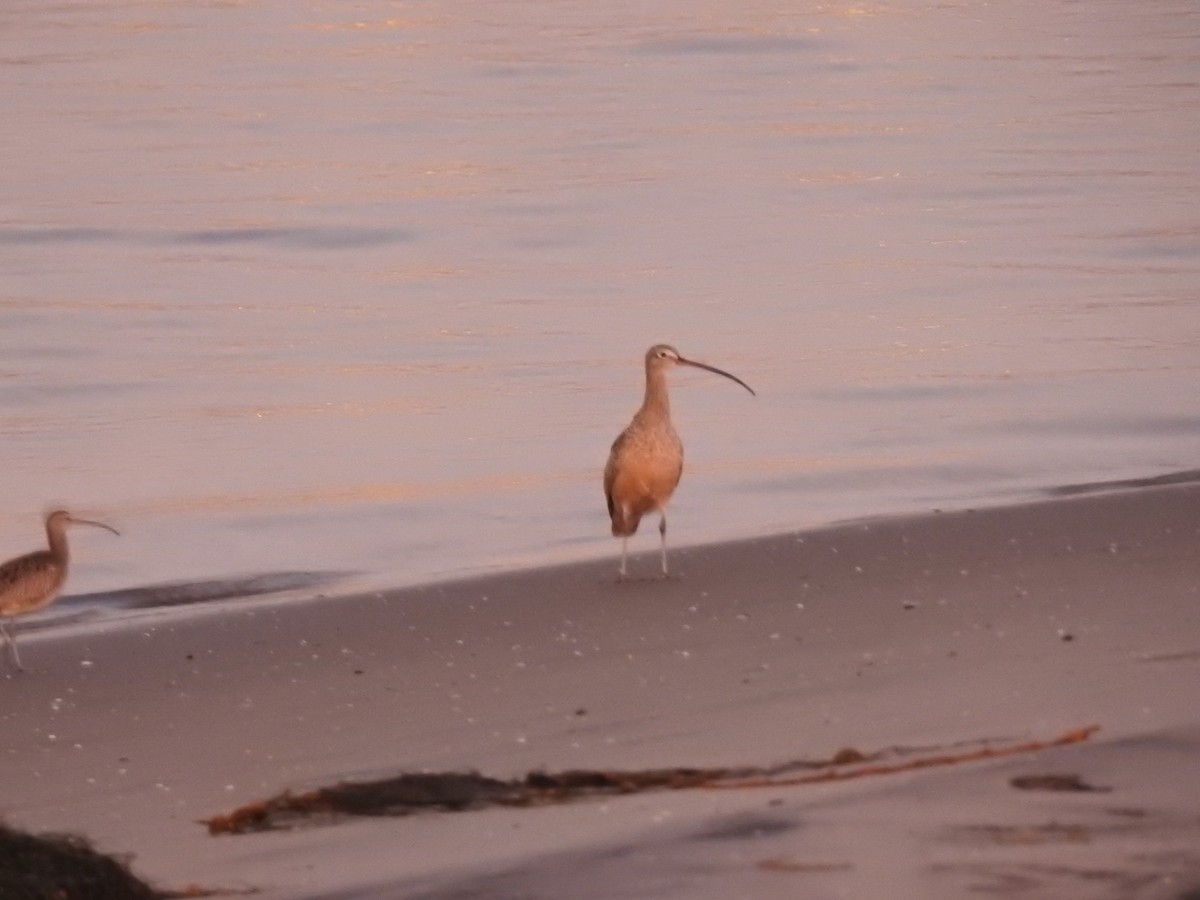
x: 32, y: 581
x: 647, y: 457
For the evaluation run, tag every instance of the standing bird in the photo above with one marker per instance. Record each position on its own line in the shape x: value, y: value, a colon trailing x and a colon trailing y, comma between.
x: 647, y: 457
x: 33, y: 581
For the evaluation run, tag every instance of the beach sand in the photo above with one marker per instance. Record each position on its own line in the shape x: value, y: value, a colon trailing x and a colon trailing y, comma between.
x: 929, y: 633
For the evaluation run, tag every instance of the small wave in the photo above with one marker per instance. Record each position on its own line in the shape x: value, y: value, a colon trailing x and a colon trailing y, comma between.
x: 1188, y: 476
x: 307, y: 238
x: 346, y: 237
x: 80, y: 608
x: 727, y: 44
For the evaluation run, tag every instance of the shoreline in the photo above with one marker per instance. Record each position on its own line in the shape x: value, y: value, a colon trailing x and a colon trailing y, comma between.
x: 104, y: 609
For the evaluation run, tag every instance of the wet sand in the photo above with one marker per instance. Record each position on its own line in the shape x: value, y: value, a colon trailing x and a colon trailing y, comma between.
x: 933, y: 631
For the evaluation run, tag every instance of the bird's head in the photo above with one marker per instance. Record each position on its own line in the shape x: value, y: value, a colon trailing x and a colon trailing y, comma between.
x: 59, y: 519
x: 662, y: 357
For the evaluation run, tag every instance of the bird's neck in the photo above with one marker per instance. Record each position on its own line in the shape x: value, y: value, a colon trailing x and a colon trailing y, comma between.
x: 656, y: 402
x: 58, y: 544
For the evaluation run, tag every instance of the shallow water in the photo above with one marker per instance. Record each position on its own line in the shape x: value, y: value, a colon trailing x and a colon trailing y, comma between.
x: 365, y: 288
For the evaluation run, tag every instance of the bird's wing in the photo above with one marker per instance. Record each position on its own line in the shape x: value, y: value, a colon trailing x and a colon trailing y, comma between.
x: 14, y: 570
x: 27, y: 582
x: 610, y: 469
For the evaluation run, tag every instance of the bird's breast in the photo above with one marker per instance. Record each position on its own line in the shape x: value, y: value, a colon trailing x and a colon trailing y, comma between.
x: 650, y: 461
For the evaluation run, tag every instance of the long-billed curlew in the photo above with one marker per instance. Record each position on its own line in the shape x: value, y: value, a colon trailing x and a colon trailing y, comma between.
x: 647, y: 457
x: 33, y: 581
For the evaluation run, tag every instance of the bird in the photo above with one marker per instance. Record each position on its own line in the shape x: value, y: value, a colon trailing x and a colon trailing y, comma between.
x: 646, y: 459
x: 32, y: 581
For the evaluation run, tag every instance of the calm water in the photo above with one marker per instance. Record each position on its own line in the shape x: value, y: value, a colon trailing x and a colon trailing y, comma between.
x: 365, y: 287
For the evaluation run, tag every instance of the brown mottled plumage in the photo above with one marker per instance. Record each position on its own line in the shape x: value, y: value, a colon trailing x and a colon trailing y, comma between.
x: 32, y: 581
x: 647, y: 457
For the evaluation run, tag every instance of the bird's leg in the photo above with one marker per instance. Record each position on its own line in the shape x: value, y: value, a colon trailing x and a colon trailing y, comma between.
x: 624, y: 548
x: 662, y: 529
x: 12, y: 646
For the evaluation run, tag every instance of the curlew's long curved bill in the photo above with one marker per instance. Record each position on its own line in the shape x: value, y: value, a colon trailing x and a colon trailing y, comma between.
x: 75, y: 521
x: 714, y: 369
